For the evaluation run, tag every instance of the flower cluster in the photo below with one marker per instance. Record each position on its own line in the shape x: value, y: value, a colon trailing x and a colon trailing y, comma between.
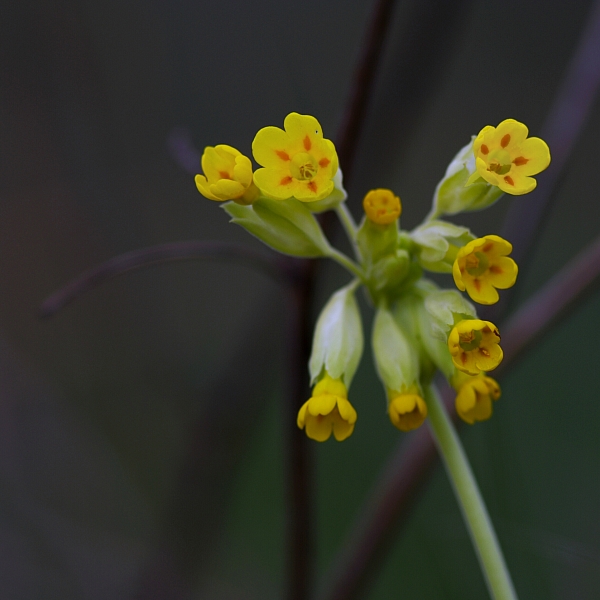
x: 418, y: 328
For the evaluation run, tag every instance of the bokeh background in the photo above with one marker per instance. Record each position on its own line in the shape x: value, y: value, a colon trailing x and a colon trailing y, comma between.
x: 140, y: 428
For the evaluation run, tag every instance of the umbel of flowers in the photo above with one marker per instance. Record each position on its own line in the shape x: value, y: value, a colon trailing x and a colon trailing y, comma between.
x: 418, y: 328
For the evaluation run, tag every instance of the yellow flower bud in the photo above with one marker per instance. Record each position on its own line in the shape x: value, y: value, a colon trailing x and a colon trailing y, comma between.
x: 327, y: 411
x: 227, y: 175
x: 474, y: 396
x: 382, y: 206
x: 407, y: 410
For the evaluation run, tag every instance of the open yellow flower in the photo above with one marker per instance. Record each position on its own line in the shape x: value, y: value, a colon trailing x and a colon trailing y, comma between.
x: 407, y: 410
x: 327, y: 411
x: 474, y: 397
x: 473, y: 345
x: 382, y: 206
x: 506, y: 157
x: 227, y: 175
x: 297, y: 162
x: 483, y: 265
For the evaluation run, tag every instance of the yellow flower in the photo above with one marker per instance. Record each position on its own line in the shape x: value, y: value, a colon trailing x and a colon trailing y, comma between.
x: 505, y: 157
x: 382, y: 206
x: 328, y: 410
x: 474, y: 397
x: 473, y: 345
x: 227, y: 175
x: 482, y: 266
x: 298, y: 162
x: 407, y: 410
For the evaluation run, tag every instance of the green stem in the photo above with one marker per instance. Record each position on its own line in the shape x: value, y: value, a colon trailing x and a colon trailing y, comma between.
x: 467, y: 492
x: 347, y: 220
x: 343, y: 260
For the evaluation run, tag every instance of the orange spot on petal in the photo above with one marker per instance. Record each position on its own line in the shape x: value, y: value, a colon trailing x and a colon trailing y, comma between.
x: 463, y: 357
x: 484, y: 149
x: 282, y: 155
x: 286, y: 180
x: 312, y: 186
x: 224, y: 175
x: 505, y: 140
x: 487, y: 247
x: 477, y: 284
x: 520, y: 160
x: 307, y: 143
x: 509, y: 180
x: 496, y: 269
x: 324, y: 162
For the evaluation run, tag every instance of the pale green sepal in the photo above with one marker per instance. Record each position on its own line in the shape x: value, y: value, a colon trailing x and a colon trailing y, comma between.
x: 454, y: 193
x: 338, y: 195
x: 376, y: 241
x: 285, y: 225
x: 396, y: 360
x: 438, y: 243
x: 390, y: 271
x: 413, y: 318
x: 338, y: 340
x: 436, y: 348
x: 446, y: 308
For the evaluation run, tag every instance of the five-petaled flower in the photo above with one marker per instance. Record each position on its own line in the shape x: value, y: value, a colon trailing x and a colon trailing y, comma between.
x: 474, y: 396
x: 382, y: 206
x: 473, y: 345
x: 407, y: 410
x: 506, y: 157
x: 482, y: 266
x: 297, y: 162
x: 328, y: 410
x: 227, y: 175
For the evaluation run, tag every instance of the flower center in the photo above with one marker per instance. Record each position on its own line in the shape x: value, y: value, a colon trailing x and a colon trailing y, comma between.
x: 303, y: 166
x: 499, y: 162
x: 469, y: 340
x: 477, y: 264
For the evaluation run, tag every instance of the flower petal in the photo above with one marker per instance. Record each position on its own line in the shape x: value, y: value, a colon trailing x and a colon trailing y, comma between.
x: 502, y: 272
x: 318, y: 429
x: 516, y: 131
x: 270, y: 147
x: 537, y: 153
x: 322, y: 404
x: 202, y: 185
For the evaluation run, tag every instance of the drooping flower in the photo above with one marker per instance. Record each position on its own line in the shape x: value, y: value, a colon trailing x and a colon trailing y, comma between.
x: 227, y: 175
x: 483, y: 265
x: 382, y: 206
x: 474, y: 347
x: 474, y: 396
x: 507, y: 158
x: 407, y: 410
x: 297, y: 162
x: 327, y: 411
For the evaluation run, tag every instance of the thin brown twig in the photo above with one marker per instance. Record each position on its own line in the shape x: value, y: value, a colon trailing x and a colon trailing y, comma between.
x: 163, y: 253
x: 298, y: 464
x: 412, y: 461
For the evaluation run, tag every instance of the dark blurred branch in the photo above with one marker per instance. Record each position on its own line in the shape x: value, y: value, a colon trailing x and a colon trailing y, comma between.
x: 564, y: 124
x: 362, y: 85
x: 410, y: 464
x: 163, y: 253
x: 300, y: 516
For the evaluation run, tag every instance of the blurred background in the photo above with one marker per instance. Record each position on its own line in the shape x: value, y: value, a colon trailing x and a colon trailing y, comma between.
x: 141, y: 428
